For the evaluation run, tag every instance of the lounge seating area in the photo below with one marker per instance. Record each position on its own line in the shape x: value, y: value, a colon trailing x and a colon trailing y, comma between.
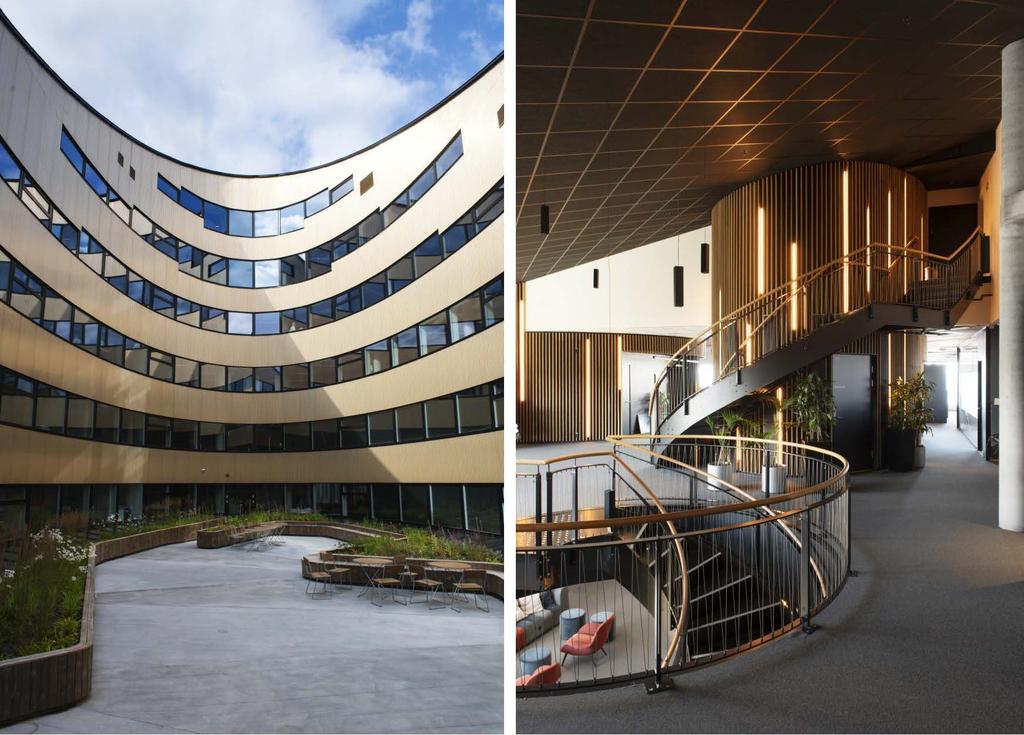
x: 435, y: 583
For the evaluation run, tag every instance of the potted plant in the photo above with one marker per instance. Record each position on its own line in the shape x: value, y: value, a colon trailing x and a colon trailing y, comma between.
x: 812, y: 409
x: 773, y: 468
x: 724, y: 425
x: 907, y: 423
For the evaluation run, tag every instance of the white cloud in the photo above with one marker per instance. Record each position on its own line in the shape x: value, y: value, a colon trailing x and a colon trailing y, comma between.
x: 247, y: 87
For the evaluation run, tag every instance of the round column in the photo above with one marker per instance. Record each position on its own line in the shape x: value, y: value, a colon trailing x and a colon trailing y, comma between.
x: 1011, y: 287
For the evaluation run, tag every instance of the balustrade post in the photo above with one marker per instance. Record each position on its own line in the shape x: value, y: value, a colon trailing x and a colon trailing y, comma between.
x: 661, y: 683
x: 549, y: 496
x: 576, y: 502
x: 805, y: 571
x: 537, y: 507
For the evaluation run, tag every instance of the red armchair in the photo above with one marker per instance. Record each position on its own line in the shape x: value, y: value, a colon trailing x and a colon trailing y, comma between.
x: 544, y: 676
x: 589, y: 639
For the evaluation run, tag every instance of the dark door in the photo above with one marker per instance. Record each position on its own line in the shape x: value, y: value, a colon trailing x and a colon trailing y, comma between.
x: 853, y: 391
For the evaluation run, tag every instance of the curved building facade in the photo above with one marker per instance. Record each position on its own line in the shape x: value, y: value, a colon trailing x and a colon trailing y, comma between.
x: 173, y: 337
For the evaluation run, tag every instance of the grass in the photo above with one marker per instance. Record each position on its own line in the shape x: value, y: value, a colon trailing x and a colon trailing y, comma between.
x: 421, y: 543
x: 111, y: 530
x: 41, y: 592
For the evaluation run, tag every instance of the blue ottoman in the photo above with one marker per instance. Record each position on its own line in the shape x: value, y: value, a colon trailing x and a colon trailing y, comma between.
x: 570, y: 621
x: 532, y: 659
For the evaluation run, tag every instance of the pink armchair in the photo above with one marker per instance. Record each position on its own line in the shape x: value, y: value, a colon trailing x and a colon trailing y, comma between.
x: 589, y: 639
x: 544, y: 676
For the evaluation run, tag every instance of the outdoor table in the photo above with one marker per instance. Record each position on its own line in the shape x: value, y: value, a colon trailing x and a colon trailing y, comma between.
x: 570, y: 621
x: 533, y: 658
x: 450, y: 572
x: 376, y: 562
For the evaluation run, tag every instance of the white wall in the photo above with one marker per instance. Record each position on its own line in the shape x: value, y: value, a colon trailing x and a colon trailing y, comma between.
x: 634, y: 293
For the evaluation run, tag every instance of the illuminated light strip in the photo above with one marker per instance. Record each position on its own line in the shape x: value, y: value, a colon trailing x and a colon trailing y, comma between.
x: 846, y: 239
x: 760, y: 250
x: 905, y: 376
x: 618, y: 359
x: 522, y: 346
x: 867, y: 238
x: 586, y: 388
x: 888, y: 369
x: 778, y: 424
x: 906, y: 262
x: 888, y: 228
x: 750, y: 336
x: 793, y: 312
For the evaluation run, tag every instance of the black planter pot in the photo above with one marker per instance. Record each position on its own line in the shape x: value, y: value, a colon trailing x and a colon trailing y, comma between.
x: 899, y: 449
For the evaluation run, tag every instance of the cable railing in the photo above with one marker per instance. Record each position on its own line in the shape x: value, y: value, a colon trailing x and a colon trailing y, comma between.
x: 637, y: 563
x: 792, y: 311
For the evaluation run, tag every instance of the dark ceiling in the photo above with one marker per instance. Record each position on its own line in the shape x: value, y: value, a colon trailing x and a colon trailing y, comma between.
x: 635, y: 116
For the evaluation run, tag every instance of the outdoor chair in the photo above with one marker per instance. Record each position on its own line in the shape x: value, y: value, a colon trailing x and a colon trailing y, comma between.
x: 588, y: 640
x: 471, y: 583
x: 544, y: 676
x: 315, y: 577
x: 382, y: 579
x: 430, y: 587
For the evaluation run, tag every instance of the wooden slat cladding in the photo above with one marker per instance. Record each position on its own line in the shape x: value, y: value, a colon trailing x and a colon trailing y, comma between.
x: 805, y: 205
x: 554, y: 365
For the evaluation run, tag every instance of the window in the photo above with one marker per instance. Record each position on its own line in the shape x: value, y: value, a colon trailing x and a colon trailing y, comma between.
x: 238, y: 437
x: 161, y: 365
x: 240, y: 223
x: 323, y: 372
x: 213, y: 320
x: 95, y: 181
x: 291, y: 217
x: 239, y: 322
x: 268, y: 379
x: 293, y: 320
x: 216, y: 269
x: 268, y: 437
x: 400, y: 274
x: 350, y: 366
x: 317, y: 202
x: 422, y: 185
x: 382, y: 427
x: 296, y: 436
x: 405, y: 347
x: 136, y: 357
x: 190, y: 201
x: 385, y: 503
x: 454, y: 238
x: 215, y: 217
x: 268, y: 273
x: 80, y: 417
x: 67, y: 147
x: 267, y: 222
x: 378, y: 357
x: 427, y: 254
x: 167, y: 187
x: 106, y: 422
x: 158, y: 432
x: 410, y: 423
x: 240, y: 379
x: 325, y: 434
x: 446, y: 501
x: 184, y: 434
x: 416, y: 504
x: 434, y: 333
x: 163, y: 302
x: 213, y: 377
x: 50, y: 405
x: 345, y: 187
x: 483, y: 507
x: 494, y: 302
x: 318, y: 261
x: 373, y: 290
x: 449, y: 156
x: 466, y: 317
x: 240, y: 273
x: 133, y: 428
x: 441, y: 417
x: 353, y: 431
x: 322, y: 312
x: 186, y: 372
x: 268, y: 322
x: 498, y: 391
x: 475, y: 409
x: 211, y: 436
x: 296, y: 377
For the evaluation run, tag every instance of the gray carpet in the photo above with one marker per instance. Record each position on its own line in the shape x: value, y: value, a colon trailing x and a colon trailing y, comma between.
x: 928, y: 638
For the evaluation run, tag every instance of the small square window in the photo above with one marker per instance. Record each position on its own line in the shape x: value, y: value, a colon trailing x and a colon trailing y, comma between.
x: 120, y: 159
x: 131, y: 173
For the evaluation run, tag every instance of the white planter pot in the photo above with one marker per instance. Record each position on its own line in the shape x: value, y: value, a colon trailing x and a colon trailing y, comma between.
x: 722, y: 472
x: 919, y: 456
x: 773, y: 480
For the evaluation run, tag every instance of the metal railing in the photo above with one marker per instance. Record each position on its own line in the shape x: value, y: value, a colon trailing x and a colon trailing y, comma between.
x: 697, y: 552
x: 791, y: 312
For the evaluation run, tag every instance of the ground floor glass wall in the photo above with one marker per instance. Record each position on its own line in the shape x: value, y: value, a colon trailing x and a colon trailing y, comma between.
x: 475, y: 508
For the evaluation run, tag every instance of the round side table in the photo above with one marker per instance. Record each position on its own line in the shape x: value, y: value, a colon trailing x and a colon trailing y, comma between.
x: 533, y: 658
x: 599, y: 617
x: 570, y: 621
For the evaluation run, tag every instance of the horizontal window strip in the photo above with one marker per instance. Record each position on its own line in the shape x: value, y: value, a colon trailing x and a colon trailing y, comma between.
x: 415, y: 264
x: 36, y: 301
x: 37, y: 406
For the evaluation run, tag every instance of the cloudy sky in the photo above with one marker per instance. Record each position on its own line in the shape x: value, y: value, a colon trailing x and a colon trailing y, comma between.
x: 261, y: 86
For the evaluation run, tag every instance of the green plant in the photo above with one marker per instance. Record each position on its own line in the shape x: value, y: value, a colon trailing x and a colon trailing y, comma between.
x: 421, y: 543
x: 723, y: 425
x: 811, y: 407
x: 908, y: 409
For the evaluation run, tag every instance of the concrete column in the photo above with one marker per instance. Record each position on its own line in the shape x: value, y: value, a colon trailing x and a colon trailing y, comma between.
x: 1011, y: 287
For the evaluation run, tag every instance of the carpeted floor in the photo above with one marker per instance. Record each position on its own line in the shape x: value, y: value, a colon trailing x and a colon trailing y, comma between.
x: 928, y: 638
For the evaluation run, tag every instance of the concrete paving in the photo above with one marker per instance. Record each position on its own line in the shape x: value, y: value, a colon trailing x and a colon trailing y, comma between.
x: 225, y: 640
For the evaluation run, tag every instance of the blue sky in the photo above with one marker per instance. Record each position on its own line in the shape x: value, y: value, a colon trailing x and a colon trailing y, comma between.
x: 261, y: 86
